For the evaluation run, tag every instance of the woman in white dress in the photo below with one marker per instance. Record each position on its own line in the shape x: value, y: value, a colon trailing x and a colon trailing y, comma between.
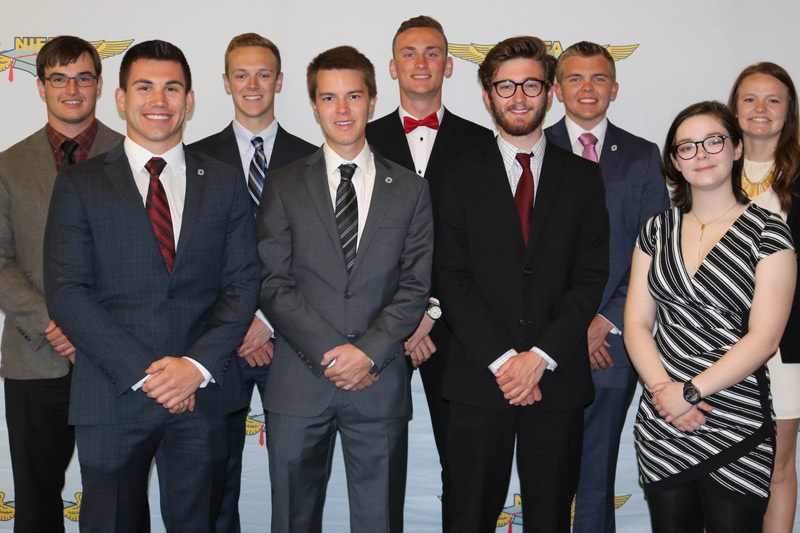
x: 764, y: 101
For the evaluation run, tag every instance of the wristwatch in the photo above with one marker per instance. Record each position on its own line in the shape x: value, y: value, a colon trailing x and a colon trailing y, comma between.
x: 691, y: 393
x: 434, y: 312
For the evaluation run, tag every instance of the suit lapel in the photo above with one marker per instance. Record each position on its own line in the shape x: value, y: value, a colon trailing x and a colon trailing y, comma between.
x: 443, y: 138
x: 549, y: 181
x: 612, y: 154
x: 498, y: 197
x: 281, y: 155
x: 316, y: 180
x: 41, y: 164
x: 382, y: 193
x: 196, y: 182
x: 401, y: 153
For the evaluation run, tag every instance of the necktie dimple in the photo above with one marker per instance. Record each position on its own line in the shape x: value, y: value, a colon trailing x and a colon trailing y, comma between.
x: 588, y: 141
x: 158, y: 210
x: 68, y: 147
x: 258, y: 169
x: 431, y: 121
x: 347, y: 213
x: 523, y: 197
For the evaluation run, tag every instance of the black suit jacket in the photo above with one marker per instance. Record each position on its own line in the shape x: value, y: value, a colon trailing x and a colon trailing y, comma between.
x: 108, y: 288
x: 790, y: 343
x: 501, y: 294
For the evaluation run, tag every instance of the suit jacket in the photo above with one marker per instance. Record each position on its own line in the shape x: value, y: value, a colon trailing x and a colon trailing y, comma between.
x: 635, y: 191
x: 108, y: 288
x: 223, y: 147
x: 317, y: 305
x: 790, y: 342
x: 27, y: 174
x: 501, y: 294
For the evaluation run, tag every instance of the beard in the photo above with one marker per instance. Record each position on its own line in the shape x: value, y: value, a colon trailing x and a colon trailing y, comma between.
x: 517, y: 127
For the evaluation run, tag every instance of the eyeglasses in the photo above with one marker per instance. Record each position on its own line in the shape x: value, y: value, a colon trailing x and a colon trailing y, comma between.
x: 530, y: 87
x: 83, y: 80
x: 712, y: 145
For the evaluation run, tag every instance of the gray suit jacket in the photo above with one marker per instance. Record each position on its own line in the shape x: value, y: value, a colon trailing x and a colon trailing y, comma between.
x: 27, y: 174
x: 316, y: 305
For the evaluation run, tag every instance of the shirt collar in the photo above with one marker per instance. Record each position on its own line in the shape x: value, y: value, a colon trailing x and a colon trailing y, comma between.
x: 508, y: 150
x: 85, y: 139
x: 138, y: 156
x: 243, y: 135
x: 574, y: 131
x: 404, y: 113
x: 363, y: 160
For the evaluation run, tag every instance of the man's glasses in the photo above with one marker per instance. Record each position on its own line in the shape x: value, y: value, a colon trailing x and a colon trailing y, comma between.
x: 507, y: 88
x: 83, y: 80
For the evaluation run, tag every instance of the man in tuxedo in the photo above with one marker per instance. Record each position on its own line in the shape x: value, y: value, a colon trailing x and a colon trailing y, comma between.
x: 635, y: 191
x: 346, y: 242
x: 37, y: 356
x: 151, y: 270
x: 521, y: 260
x: 255, y: 143
x: 422, y: 135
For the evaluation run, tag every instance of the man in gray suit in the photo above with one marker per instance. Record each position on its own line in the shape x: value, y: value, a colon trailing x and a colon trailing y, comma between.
x: 36, y: 355
x: 345, y: 242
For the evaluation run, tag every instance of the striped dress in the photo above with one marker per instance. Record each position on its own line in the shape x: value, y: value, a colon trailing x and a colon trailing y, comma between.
x: 699, y: 319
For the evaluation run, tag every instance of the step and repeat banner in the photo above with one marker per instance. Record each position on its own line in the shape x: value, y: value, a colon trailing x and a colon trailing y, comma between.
x: 669, y: 55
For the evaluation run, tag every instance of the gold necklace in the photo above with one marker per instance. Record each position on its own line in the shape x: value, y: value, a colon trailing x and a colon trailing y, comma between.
x: 754, y: 188
x: 703, y: 229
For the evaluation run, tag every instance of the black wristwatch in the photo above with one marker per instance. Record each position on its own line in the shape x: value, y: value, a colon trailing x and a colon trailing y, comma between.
x: 691, y: 393
x: 434, y: 312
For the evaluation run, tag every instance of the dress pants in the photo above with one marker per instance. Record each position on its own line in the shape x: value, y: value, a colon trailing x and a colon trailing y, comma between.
x: 480, y: 449
x: 41, y: 443
x: 300, y: 455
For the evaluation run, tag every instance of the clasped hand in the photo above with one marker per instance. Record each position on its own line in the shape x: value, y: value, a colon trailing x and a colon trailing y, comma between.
x: 351, y: 370
x: 519, y: 377
x: 669, y: 403
x: 173, y: 384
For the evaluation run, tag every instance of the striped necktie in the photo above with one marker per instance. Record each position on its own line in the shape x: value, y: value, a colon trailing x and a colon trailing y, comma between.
x: 158, y: 210
x: 258, y: 169
x: 347, y: 213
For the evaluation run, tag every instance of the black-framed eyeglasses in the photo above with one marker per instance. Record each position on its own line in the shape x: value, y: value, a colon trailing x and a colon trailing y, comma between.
x: 83, y: 80
x: 531, y: 87
x: 712, y: 145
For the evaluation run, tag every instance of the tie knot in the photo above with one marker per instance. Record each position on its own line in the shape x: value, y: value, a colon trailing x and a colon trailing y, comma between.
x: 155, y: 166
x: 346, y: 170
x: 524, y: 159
x: 69, y: 146
x: 257, y: 142
x: 587, y: 139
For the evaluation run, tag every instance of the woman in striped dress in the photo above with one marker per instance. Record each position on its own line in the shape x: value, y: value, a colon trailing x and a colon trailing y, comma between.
x: 716, y: 275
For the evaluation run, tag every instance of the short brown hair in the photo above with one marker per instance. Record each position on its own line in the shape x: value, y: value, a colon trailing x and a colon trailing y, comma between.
x: 586, y: 49
x: 341, y: 58
x: 517, y: 47
x: 421, y: 21
x: 65, y: 50
x: 252, y: 39
x: 154, y: 51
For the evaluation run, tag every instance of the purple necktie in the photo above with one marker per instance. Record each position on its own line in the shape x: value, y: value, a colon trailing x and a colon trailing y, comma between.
x: 589, y: 141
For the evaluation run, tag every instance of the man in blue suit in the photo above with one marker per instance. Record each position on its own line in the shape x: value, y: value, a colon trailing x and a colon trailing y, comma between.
x: 151, y: 269
x: 635, y: 190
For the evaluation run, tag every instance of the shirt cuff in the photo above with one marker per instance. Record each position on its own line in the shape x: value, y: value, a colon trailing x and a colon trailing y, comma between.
x: 206, y: 374
x: 497, y: 363
x: 614, y: 329
x: 141, y: 382
x: 434, y: 301
x: 551, y: 363
x: 263, y: 319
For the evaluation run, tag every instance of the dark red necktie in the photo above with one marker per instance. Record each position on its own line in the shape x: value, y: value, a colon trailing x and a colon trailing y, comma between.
x: 431, y: 121
x: 158, y: 209
x: 523, y: 198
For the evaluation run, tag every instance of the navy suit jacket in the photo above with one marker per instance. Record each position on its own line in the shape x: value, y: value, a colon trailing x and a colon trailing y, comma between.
x: 635, y: 191
x: 108, y: 288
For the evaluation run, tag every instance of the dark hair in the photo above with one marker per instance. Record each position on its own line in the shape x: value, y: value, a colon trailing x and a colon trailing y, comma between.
x: 513, y: 48
x: 787, y: 153
x: 421, y: 21
x: 155, y: 51
x: 341, y: 58
x: 682, y: 194
x: 252, y: 39
x: 586, y: 49
x: 65, y: 50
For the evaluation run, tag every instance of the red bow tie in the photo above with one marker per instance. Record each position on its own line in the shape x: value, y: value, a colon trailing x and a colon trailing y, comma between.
x: 431, y: 121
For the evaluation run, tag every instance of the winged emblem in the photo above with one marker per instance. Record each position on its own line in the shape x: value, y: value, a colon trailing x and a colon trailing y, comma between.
x: 108, y: 49
x: 25, y: 60
x: 476, y: 53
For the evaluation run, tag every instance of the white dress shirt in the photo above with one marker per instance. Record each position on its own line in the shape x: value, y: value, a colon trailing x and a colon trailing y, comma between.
x: 420, y: 141
x: 363, y: 180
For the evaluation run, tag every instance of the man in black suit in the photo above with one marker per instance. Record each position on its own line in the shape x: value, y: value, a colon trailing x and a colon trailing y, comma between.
x: 422, y: 135
x: 635, y: 191
x: 522, y: 257
x: 151, y: 270
x: 252, y: 77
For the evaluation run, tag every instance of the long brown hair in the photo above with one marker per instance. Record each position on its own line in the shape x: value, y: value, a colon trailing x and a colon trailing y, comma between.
x: 787, y: 153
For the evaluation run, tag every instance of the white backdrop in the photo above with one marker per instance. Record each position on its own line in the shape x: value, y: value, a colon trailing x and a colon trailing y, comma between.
x: 687, y: 51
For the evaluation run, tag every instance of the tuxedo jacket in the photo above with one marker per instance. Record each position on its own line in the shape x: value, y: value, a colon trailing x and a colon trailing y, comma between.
x: 316, y: 305
x: 223, y: 147
x: 501, y: 294
x: 107, y: 285
x: 27, y: 173
x: 635, y: 191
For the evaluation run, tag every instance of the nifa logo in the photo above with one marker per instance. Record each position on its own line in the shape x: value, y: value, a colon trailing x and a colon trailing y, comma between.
x: 23, y: 56
x: 475, y: 53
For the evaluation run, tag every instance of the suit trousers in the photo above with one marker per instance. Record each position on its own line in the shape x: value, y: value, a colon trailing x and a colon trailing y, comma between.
x: 41, y: 443
x: 480, y: 449
x: 300, y: 456
x: 190, y: 453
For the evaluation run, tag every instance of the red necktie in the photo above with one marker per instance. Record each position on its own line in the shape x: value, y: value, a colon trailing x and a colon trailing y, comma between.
x: 431, y: 121
x: 158, y: 210
x: 523, y: 198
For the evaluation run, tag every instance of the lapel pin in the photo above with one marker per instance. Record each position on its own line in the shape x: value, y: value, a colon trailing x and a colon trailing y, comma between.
x: 201, y: 172
x: 613, y: 147
x: 388, y: 179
